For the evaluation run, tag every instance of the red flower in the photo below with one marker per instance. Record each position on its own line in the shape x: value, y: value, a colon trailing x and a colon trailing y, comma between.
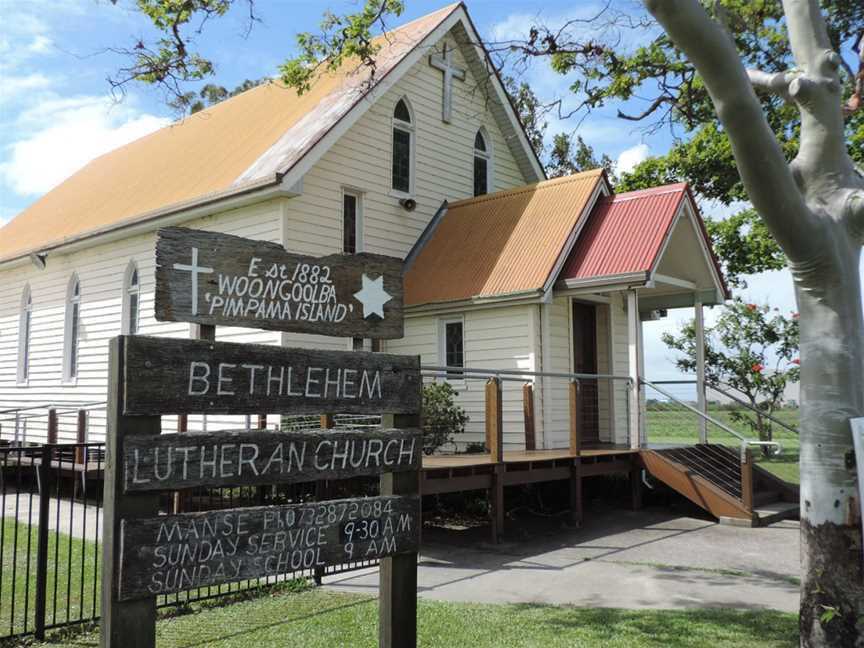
x: 794, y: 315
x: 756, y: 367
x: 796, y: 361
x: 751, y: 307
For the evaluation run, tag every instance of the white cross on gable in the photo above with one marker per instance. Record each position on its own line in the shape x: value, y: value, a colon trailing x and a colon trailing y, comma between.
x: 195, y: 269
x: 444, y: 62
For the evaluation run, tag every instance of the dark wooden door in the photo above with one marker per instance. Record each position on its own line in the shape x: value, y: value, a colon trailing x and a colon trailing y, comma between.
x: 585, y: 362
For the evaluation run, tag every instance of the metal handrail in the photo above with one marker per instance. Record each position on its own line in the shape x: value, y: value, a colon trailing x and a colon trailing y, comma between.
x: 743, y: 403
x: 518, y: 372
x: 70, y: 407
x: 744, y: 440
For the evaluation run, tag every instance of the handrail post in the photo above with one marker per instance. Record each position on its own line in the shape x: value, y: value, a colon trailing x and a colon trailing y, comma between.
x: 52, y: 425
x: 746, y: 477
x: 495, y: 444
x: 81, y: 437
x: 528, y: 411
x: 576, y: 453
x: 575, y: 417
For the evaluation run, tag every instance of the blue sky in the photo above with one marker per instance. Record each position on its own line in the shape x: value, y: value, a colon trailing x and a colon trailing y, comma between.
x: 56, y: 111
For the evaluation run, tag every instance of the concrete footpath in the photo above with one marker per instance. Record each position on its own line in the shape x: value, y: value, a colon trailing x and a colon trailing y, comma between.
x: 619, y: 559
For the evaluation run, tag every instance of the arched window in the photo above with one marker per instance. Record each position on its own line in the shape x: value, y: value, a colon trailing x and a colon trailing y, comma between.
x: 24, y: 324
x: 482, y: 163
x: 403, y: 148
x: 73, y: 329
x: 131, y: 293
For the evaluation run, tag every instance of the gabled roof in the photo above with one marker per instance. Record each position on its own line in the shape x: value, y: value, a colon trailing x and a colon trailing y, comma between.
x: 507, y: 243
x: 625, y: 233
x: 517, y: 243
x: 260, y: 138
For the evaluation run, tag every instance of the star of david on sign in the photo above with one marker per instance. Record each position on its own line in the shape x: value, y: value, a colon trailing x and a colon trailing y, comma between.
x: 372, y: 296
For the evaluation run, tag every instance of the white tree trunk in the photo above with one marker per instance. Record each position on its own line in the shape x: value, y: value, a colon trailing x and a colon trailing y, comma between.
x: 814, y: 207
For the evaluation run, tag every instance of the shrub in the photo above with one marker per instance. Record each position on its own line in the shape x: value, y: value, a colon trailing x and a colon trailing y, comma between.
x: 442, y: 417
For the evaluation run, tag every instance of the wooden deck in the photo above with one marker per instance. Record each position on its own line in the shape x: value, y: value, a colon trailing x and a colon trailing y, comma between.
x: 466, y: 472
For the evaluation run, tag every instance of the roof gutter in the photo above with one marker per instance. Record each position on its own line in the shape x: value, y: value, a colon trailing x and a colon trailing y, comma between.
x: 232, y: 198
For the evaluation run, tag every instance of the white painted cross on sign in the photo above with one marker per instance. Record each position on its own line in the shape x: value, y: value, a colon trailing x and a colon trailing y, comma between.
x: 194, y: 269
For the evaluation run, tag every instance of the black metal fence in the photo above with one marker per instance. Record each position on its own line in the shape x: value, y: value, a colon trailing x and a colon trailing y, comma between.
x: 50, y: 546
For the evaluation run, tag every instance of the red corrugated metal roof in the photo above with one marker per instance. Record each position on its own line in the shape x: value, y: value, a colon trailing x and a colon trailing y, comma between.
x: 624, y: 233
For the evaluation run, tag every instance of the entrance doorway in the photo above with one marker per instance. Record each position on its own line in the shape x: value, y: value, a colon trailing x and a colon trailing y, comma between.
x: 585, y: 362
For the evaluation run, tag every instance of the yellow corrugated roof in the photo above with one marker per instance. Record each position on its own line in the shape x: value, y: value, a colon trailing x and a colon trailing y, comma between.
x: 501, y: 243
x: 243, y: 141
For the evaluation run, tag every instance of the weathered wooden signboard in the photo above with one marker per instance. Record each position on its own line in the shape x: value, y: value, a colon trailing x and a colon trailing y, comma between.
x: 216, y: 279
x: 175, y: 376
x: 249, y: 458
x: 174, y: 553
x: 220, y: 279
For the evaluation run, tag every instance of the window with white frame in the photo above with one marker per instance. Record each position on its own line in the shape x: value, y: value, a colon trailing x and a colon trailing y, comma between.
x: 452, y: 344
x: 24, y: 326
x: 352, y: 222
x: 482, y: 163
x: 131, y: 299
x: 72, y: 330
x: 403, y: 148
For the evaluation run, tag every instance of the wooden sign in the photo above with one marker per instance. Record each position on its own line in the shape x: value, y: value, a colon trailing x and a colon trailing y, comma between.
x: 174, y: 553
x: 225, y: 280
x: 176, y: 376
x: 241, y: 457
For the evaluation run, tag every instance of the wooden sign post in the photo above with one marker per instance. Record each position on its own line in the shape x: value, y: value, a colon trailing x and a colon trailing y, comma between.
x: 145, y: 554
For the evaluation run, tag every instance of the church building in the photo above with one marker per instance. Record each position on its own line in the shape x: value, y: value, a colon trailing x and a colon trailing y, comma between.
x: 422, y: 158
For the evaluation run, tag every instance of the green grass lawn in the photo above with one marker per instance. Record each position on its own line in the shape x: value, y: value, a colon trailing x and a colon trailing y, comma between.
x: 322, y: 619
x: 71, y: 563
x: 677, y: 425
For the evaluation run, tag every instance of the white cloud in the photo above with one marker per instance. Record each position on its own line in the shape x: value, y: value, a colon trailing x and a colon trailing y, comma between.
x: 16, y: 86
x: 62, y: 135
x: 629, y: 158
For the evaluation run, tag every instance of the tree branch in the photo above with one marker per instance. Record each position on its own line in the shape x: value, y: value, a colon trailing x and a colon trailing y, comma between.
x: 777, y: 83
x: 766, y: 176
x: 818, y: 91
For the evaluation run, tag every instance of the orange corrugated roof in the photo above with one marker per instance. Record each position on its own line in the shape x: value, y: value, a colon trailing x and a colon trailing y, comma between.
x: 243, y: 141
x: 506, y: 242
x: 624, y: 233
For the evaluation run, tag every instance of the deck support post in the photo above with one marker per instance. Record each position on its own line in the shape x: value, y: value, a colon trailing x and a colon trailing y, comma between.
x: 701, y: 403
x: 81, y: 437
x: 576, y: 452
x: 495, y: 444
x: 52, y: 425
x: 397, y: 580
x: 634, y: 355
x: 528, y: 411
x: 635, y: 486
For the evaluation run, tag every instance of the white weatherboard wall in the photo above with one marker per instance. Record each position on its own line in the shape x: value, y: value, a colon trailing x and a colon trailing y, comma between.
x: 494, y: 338
x: 620, y: 363
x: 101, y: 271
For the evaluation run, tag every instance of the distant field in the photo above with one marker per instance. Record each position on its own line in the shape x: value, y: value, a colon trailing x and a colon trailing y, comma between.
x: 670, y: 424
